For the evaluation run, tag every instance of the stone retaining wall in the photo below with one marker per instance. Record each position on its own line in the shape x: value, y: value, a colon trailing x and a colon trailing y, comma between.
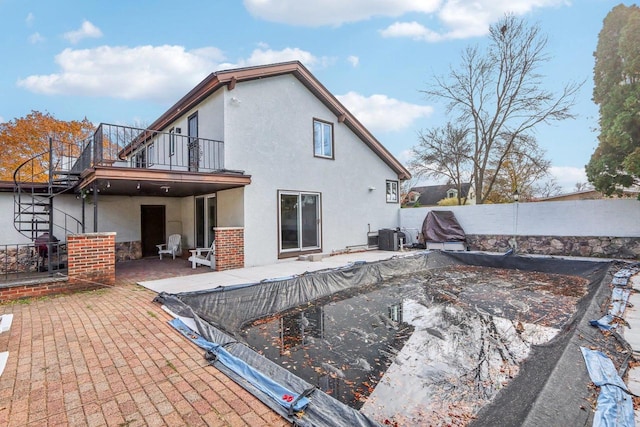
x: 127, y: 251
x: 593, y: 246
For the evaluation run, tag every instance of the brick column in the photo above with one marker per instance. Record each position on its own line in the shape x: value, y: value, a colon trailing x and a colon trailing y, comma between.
x: 92, y: 258
x: 229, y: 247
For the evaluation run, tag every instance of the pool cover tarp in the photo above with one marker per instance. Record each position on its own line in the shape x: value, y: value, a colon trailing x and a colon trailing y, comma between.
x: 551, y: 387
x: 615, y: 405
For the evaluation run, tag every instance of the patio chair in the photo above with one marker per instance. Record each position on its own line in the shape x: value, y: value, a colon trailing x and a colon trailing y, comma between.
x: 172, y: 247
x: 203, y: 256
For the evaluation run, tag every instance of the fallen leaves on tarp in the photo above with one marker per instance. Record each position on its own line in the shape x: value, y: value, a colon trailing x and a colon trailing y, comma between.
x: 429, y: 348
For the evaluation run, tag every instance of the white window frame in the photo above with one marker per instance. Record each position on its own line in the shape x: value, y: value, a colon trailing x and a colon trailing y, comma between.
x: 172, y: 141
x: 319, y: 138
x: 300, y: 248
x: 391, y: 191
x: 151, y: 152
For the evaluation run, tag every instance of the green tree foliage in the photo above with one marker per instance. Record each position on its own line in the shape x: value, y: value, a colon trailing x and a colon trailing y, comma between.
x: 499, y: 96
x: 615, y: 163
x: 27, y: 137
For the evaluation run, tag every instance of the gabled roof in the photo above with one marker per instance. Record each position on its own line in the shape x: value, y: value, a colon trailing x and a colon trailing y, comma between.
x: 230, y: 78
x: 430, y: 195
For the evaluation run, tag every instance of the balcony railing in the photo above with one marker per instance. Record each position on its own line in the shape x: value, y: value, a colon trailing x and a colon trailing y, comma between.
x: 124, y: 146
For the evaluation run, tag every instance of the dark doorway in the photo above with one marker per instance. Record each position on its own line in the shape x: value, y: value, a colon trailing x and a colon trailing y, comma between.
x: 152, y: 228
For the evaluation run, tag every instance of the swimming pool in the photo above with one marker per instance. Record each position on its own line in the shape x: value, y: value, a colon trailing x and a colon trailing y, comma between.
x: 432, y: 337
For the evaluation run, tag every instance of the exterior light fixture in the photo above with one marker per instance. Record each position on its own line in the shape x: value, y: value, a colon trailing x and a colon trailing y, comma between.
x: 516, y: 195
x: 372, y: 188
x: 165, y: 188
x: 138, y: 186
x: 108, y: 184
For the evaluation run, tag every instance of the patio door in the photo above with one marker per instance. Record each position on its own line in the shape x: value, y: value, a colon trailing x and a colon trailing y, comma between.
x: 206, y: 220
x: 194, y: 145
x: 300, y: 222
x: 152, y: 228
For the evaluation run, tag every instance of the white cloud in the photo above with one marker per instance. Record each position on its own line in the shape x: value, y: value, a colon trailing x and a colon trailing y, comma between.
x: 160, y: 73
x: 2, y: 119
x: 405, y: 156
x: 568, y: 176
x: 29, y: 19
x: 381, y: 113
x: 412, y: 30
x: 333, y: 12
x: 36, y: 38
x: 265, y: 55
x: 460, y: 19
x: 87, y: 30
x: 449, y: 19
x: 353, y: 60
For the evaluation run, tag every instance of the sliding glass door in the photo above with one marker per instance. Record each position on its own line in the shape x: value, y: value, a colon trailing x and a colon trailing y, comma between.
x: 205, y: 220
x: 300, y: 222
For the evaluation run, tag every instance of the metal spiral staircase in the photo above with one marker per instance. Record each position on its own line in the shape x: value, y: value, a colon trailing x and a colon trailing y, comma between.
x: 36, y: 182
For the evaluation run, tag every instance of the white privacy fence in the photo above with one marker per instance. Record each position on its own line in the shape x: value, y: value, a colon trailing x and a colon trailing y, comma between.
x: 606, y: 217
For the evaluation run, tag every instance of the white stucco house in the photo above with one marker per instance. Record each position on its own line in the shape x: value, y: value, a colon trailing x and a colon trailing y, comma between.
x: 267, y: 150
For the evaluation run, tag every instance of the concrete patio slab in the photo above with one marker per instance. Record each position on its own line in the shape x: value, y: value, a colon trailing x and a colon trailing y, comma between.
x: 209, y: 280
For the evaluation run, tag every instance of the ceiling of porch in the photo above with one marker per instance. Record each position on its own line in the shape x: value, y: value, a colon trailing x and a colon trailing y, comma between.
x: 114, y: 181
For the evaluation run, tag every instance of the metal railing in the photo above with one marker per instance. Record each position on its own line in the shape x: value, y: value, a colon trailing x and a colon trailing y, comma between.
x: 34, y: 188
x: 26, y: 261
x: 130, y: 147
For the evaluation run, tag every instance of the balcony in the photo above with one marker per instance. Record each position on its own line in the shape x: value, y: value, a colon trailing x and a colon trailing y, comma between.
x: 123, y: 160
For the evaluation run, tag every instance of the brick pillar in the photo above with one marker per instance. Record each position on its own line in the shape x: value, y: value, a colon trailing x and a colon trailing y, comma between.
x: 229, y: 247
x: 92, y: 258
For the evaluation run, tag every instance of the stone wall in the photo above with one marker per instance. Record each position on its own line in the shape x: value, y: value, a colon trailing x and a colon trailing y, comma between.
x: 16, y: 259
x: 127, y: 251
x: 583, y: 246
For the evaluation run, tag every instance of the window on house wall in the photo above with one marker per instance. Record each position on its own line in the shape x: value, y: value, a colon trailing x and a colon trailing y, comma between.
x: 452, y: 193
x: 172, y: 141
x: 152, y: 154
x: 322, y: 139
x: 141, y: 158
x: 392, y: 192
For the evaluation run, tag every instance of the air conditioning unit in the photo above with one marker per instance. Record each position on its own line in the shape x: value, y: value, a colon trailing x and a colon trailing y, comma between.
x: 372, y: 240
x: 387, y: 239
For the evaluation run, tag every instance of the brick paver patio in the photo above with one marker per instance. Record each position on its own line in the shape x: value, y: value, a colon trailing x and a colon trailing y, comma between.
x: 108, y: 357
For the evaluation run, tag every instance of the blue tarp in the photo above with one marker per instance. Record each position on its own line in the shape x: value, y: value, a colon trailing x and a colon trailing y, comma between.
x: 280, y: 394
x: 615, y: 405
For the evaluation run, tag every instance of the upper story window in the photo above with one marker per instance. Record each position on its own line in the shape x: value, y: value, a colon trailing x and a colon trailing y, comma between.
x: 140, y: 159
x: 392, y: 191
x: 152, y: 154
x: 172, y: 141
x: 322, y: 139
x: 452, y: 193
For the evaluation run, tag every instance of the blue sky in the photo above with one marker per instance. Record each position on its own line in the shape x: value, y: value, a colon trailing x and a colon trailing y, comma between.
x: 127, y: 61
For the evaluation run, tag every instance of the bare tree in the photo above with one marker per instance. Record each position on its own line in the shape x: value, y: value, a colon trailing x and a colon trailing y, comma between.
x: 549, y: 188
x: 499, y: 93
x: 582, y: 186
x: 444, y: 152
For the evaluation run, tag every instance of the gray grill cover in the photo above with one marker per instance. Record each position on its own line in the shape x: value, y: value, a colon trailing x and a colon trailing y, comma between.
x: 442, y: 226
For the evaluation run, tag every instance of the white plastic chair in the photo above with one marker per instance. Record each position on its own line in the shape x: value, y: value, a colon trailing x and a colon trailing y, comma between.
x: 203, y: 256
x: 172, y: 247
